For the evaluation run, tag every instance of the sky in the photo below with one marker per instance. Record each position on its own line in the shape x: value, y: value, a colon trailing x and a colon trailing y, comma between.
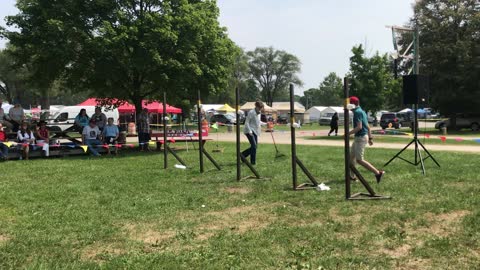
x: 321, y: 33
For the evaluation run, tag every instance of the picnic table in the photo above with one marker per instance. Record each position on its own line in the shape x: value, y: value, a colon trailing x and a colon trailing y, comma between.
x: 64, y: 135
x: 158, y: 138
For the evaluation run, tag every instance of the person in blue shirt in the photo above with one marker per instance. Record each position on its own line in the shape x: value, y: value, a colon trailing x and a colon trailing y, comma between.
x: 81, y: 120
x: 363, y: 136
x: 110, y: 133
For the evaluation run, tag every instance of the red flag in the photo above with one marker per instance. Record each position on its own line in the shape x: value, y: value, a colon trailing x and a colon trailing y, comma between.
x: 443, y: 138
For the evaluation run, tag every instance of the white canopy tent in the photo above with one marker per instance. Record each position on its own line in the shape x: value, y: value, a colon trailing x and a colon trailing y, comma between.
x: 315, y: 113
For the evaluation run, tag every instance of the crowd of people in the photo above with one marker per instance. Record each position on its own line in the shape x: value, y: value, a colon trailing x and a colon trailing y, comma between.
x: 95, y: 130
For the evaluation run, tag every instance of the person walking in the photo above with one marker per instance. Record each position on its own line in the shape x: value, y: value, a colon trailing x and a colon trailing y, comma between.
x: 363, y: 136
x: 252, y: 130
x: 334, y: 124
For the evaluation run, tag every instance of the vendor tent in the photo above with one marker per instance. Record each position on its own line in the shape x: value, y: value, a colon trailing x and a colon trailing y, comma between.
x: 251, y: 105
x: 226, y: 108
x: 152, y: 106
x: 94, y: 102
x: 315, y: 113
x: 284, y: 107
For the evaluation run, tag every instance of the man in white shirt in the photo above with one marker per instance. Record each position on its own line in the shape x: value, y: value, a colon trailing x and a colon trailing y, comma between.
x: 91, y: 137
x: 252, y: 130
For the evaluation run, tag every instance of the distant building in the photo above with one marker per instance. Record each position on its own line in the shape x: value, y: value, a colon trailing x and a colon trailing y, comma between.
x: 283, y: 109
x: 315, y: 113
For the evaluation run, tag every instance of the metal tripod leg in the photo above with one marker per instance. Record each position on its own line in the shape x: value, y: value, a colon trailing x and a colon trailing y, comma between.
x: 421, y: 159
x: 399, y: 153
x: 430, y: 155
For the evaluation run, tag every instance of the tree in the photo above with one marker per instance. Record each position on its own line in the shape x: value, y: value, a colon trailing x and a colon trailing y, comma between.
x: 450, y: 53
x: 129, y: 50
x: 273, y: 70
x: 331, y: 90
x: 329, y: 93
x: 372, y: 80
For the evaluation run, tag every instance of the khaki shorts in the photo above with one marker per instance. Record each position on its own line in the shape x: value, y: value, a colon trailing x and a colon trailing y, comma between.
x: 358, y: 147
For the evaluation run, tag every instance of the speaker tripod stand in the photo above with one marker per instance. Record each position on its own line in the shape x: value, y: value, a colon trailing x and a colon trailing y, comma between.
x: 419, y: 159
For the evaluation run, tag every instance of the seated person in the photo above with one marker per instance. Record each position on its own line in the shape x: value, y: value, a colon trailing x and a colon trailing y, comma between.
x: 17, y: 115
x: 26, y: 140
x: 43, y: 137
x: 91, y: 137
x: 110, y: 134
x: 3, y: 147
x: 81, y: 120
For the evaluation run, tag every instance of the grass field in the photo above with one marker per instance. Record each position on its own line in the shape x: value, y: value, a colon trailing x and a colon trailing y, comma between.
x: 127, y: 212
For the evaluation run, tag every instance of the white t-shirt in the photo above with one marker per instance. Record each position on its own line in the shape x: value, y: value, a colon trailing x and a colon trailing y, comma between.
x: 91, y: 133
x: 25, y: 137
x: 252, y: 123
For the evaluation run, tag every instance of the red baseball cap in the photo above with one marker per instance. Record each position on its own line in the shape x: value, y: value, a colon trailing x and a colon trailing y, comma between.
x: 354, y: 100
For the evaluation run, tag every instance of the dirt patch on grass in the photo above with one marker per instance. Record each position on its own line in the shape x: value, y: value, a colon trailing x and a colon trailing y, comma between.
x: 443, y: 224
x: 398, y: 252
x: 413, y: 264
x: 238, y: 190
x: 98, y: 251
x: 237, y: 219
x: 4, y: 239
x: 146, y: 234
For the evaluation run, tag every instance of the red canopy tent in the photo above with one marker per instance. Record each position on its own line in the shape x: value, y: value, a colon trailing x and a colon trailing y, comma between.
x: 92, y: 102
x: 153, y: 107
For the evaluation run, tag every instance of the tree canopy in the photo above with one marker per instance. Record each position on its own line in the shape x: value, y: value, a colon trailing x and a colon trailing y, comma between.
x: 450, y: 52
x: 372, y: 80
x: 273, y: 70
x: 329, y: 93
x: 125, y: 49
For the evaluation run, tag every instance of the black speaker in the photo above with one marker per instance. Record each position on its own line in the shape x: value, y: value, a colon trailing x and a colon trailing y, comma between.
x: 415, y: 89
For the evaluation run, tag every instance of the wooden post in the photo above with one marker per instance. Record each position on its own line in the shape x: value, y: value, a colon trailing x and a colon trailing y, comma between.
x: 200, y: 136
x: 164, y: 121
x: 346, y: 115
x: 293, y: 141
x: 237, y: 131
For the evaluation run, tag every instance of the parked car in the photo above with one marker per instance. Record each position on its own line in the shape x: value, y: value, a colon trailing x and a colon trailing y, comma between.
x: 464, y: 120
x: 390, y: 120
x: 64, y: 119
x: 282, y: 119
x: 222, y: 118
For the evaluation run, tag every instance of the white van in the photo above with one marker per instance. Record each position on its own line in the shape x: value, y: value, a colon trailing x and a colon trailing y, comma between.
x: 65, y: 118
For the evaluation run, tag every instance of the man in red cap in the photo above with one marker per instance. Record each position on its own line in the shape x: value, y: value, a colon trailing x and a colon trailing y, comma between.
x: 362, y: 137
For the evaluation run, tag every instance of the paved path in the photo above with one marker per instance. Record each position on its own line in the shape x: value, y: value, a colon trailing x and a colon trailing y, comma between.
x: 284, y: 138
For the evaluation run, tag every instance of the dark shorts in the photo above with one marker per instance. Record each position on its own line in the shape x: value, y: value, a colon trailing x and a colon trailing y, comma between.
x: 143, y: 137
x: 109, y: 140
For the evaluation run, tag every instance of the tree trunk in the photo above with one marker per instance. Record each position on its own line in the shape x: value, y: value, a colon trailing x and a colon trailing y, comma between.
x: 45, y: 104
x: 453, y: 121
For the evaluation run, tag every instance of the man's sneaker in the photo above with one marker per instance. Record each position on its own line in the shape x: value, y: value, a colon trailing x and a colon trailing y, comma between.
x: 379, y: 176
